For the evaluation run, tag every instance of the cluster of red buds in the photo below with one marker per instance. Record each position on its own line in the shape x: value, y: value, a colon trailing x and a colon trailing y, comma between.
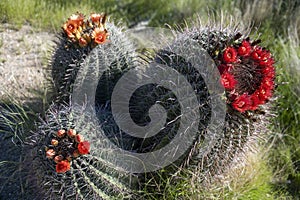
x: 90, y: 32
x: 247, y: 74
x: 66, y: 145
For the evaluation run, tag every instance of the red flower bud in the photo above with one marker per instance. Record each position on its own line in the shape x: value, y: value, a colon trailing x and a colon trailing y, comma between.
x: 71, y: 132
x: 58, y: 158
x: 54, y: 142
x: 50, y: 153
x: 79, y: 138
x: 82, y: 42
x: 269, y: 71
x: 255, y: 101
x: 76, y: 153
x: 61, y: 133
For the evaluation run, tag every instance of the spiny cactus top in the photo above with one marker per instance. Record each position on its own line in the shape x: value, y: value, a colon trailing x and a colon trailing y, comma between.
x: 246, y: 68
x: 65, y: 146
x: 64, y: 159
x: 77, y: 40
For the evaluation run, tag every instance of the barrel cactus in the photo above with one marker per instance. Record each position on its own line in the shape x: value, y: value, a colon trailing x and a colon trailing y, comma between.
x: 63, y: 159
x: 75, y: 42
x: 247, y: 74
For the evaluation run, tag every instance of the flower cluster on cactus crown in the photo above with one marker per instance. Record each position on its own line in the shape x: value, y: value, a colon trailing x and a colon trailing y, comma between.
x: 65, y: 146
x: 247, y: 74
x: 89, y: 32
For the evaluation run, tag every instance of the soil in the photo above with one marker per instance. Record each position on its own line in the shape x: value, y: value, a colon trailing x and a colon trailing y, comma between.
x: 24, y: 54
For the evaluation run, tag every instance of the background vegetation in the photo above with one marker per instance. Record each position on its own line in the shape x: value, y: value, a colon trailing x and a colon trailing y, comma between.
x: 273, y: 172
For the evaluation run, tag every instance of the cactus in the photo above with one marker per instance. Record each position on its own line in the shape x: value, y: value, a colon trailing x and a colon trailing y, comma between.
x: 61, y: 163
x: 89, y: 176
x: 247, y: 75
x: 245, y: 101
x: 73, y: 46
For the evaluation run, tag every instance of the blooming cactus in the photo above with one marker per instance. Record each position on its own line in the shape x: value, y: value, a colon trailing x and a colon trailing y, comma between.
x: 65, y: 166
x: 247, y: 74
x: 79, y: 36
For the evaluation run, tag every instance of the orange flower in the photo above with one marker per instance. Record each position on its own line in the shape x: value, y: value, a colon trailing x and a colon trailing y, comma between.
x: 99, y: 35
x: 63, y: 166
x: 71, y: 26
x: 95, y: 17
x: 84, y: 147
x: 77, y: 18
x: 98, y: 18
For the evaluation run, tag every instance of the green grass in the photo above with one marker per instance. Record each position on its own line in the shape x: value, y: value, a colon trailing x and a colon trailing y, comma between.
x: 285, y: 155
x: 273, y: 174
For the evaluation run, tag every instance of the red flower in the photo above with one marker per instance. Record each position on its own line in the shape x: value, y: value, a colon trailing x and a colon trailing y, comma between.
x: 99, y: 35
x: 268, y: 83
x: 63, y: 166
x: 257, y: 53
x: 255, y: 101
x: 242, y: 103
x: 230, y: 55
x: 84, y: 147
x: 264, y: 93
x: 245, y: 48
x: 228, y: 81
x: 269, y: 71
